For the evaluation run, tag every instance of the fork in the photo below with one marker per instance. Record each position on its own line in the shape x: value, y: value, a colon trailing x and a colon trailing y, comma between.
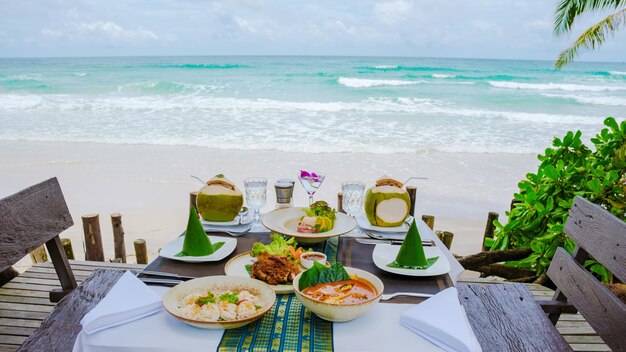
x: 389, y: 296
x: 428, y: 243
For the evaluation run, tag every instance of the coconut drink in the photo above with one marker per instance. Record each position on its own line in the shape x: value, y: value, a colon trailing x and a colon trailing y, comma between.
x: 220, y: 200
x: 387, y: 204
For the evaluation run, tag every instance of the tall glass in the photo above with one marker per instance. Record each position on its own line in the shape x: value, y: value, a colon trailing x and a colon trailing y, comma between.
x: 311, y: 182
x: 256, y: 194
x: 353, y: 195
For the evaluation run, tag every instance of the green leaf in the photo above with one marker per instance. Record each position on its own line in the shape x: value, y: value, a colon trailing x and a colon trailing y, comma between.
x: 320, y: 274
x: 489, y: 242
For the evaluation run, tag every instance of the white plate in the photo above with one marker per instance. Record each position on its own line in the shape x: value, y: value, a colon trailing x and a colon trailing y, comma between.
x: 237, y: 267
x: 385, y: 253
x: 361, y: 219
x: 174, y: 247
x: 286, y: 221
x: 246, y: 220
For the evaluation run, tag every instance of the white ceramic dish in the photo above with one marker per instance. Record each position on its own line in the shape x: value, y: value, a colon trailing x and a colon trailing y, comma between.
x: 286, y: 220
x: 175, y: 295
x: 363, y: 223
x: 308, y: 258
x: 237, y: 267
x: 342, y: 312
x: 174, y: 247
x: 384, y: 254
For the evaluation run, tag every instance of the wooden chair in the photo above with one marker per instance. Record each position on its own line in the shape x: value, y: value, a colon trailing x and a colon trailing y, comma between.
x: 601, y: 235
x: 30, y: 218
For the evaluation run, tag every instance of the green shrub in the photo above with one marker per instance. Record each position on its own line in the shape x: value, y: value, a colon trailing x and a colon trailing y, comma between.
x: 545, y: 197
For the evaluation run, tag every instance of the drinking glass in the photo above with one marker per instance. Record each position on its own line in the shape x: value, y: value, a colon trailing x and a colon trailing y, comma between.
x: 353, y: 195
x: 256, y: 194
x: 311, y: 182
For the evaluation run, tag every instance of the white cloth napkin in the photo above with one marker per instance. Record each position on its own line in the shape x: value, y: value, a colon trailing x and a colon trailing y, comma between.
x: 129, y: 299
x: 441, y: 320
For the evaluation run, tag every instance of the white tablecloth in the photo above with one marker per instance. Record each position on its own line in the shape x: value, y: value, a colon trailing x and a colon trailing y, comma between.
x: 378, y: 330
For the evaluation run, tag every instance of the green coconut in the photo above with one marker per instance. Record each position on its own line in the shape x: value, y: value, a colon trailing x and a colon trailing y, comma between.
x: 220, y: 200
x: 197, y: 243
x: 387, y: 204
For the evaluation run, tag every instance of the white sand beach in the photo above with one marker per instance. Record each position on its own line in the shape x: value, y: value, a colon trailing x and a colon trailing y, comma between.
x: 149, y: 185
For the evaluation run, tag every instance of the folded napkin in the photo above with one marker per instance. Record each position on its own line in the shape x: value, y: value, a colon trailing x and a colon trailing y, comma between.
x: 441, y: 320
x: 128, y: 300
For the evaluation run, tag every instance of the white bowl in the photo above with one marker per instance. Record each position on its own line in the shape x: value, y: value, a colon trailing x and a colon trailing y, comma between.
x: 175, y: 295
x: 342, y: 312
x: 307, y: 261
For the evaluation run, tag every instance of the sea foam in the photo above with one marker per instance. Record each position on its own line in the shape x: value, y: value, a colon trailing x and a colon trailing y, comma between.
x: 367, y: 83
x: 555, y: 86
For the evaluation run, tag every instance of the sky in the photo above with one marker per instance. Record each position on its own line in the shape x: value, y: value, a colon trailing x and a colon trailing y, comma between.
x: 503, y: 29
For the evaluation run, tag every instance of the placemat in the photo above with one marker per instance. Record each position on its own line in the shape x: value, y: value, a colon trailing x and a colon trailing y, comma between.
x: 288, y: 326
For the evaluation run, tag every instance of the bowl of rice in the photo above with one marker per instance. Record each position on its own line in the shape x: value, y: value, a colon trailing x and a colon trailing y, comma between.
x: 219, y: 302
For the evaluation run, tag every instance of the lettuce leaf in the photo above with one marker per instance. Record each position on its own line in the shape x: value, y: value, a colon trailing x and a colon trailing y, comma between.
x: 279, y: 246
x: 321, y: 208
x: 321, y: 274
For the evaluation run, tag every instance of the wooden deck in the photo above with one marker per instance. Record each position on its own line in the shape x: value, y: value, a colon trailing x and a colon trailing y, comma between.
x: 24, y: 303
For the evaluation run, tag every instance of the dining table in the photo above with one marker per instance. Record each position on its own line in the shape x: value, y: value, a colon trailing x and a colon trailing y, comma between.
x: 288, y: 325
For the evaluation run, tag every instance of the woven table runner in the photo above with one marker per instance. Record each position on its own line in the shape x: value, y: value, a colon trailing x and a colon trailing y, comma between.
x: 288, y: 326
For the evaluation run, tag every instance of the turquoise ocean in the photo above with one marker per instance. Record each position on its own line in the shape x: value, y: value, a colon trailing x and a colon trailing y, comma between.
x: 308, y: 104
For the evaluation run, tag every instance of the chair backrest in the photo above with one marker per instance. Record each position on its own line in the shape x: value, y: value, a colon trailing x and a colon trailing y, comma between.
x: 30, y: 218
x: 601, y: 235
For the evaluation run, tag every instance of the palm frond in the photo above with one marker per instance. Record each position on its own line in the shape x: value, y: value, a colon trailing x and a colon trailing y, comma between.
x: 593, y: 37
x: 567, y: 11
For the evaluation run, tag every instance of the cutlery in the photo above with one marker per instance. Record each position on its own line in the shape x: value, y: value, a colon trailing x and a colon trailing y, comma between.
x: 387, y: 297
x: 225, y: 230
x: 166, y: 275
x: 389, y: 241
x: 381, y: 237
x: 160, y: 282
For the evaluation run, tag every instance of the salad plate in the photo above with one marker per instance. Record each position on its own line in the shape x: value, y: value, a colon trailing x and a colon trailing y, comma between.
x: 171, y: 250
x: 237, y: 266
x: 363, y: 223
x: 285, y: 221
x: 385, y: 253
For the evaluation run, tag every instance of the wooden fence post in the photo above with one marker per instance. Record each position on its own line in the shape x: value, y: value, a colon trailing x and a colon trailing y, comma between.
x: 118, y: 237
x: 67, y: 247
x: 39, y: 255
x: 412, y: 190
x: 93, y: 238
x: 489, y: 227
x: 141, y: 252
x: 192, y: 200
x: 447, y: 239
x: 429, y: 220
x: 340, y: 202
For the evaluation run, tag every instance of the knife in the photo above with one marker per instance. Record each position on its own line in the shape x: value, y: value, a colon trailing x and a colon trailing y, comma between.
x: 391, y: 241
x: 165, y: 275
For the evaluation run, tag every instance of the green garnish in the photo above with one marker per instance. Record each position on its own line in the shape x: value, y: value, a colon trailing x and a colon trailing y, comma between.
x: 321, y: 208
x: 209, y: 298
x: 230, y: 297
x: 320, y: 274
x: 279, y: 246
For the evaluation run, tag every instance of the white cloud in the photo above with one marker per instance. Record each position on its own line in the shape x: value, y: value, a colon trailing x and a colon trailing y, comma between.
x: 243, y: 24
x: 392, y: 12
x: 51, y: 33
x: 117, y: 32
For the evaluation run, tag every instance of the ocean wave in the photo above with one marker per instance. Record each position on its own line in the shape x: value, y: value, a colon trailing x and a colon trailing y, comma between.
x: 203, y: 66
x: 595, y: 100
x: 555, y: 86
x: 617, y: 73
x: 441, y: 75
x: 167, y: 87
x: 367, y: 83
x: 24, y: 77
x: 407, y: 68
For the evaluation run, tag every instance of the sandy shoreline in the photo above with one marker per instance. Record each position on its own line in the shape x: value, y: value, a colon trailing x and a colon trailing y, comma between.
x: 149, y: 185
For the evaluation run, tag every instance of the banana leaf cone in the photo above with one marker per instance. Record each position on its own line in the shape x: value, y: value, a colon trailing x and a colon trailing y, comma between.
x: 196, y: 242
x: 411, y: 254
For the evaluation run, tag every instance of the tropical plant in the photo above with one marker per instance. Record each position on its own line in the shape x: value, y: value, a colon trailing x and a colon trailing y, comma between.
x: 568, y: 10
x: 545, y: 197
